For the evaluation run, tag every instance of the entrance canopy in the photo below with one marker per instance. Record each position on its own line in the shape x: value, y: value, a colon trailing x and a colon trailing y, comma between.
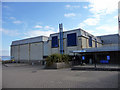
x: 99, y: 49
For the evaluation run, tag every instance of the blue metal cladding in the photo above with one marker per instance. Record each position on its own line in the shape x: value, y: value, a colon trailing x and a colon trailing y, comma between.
x: 61, y: 38
x: 55, y: 41
x: 71, y: 39
x: 90, y: 41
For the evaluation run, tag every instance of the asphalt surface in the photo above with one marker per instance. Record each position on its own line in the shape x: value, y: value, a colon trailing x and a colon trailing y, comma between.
x: 27, y: 76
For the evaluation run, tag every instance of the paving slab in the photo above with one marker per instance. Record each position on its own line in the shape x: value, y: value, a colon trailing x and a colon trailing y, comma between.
x: 28, y: 76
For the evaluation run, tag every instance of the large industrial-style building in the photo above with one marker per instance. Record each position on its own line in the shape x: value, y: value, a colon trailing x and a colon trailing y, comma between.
x: 72, y: 42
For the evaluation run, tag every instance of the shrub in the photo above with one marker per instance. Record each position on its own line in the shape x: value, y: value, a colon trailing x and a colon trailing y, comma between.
x: 65, y: 58
x: 54, y: 58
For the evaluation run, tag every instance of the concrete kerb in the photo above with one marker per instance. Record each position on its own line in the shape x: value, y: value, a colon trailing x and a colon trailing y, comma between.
x: 98, y: 68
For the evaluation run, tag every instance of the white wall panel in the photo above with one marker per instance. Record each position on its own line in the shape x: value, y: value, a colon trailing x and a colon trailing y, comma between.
x: 36, y: 51
x: 55, y: 50
x: 15, y: 52
x: 71, y: 49
x: 49, y: 47
x: 46, y: 46
x: 24, y: 52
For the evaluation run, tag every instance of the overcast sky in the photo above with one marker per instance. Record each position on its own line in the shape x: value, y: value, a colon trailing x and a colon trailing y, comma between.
x: 29, y: 19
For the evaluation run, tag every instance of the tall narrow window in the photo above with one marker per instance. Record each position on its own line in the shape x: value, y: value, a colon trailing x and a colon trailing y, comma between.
x: 90, y: 41
x: 71, y: 39
x: 95, y: 43
x: 54, y: 41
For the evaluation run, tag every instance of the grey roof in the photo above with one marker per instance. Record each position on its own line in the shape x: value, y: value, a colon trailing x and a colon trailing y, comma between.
x: 30, y: 40
x: 80, y: 32
x: 99, y: 49
x: 110, y: 39
x: 44, y: 38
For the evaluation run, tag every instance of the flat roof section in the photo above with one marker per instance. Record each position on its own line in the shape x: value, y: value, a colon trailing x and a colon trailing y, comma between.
x: 98, y: 49
x: 110, y: 39
x: 30, y: 40
x: 80, y: 32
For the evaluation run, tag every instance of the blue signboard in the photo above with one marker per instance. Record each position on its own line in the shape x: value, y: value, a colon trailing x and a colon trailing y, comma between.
x: 108, y: 57
x: 104, y: 61
x: 83, y: 57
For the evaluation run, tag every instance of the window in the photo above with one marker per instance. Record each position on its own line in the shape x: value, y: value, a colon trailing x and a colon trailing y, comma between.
x: 55, y: 41
x: 90, y: 41
x: 71, y: 39
x: 95, y: 43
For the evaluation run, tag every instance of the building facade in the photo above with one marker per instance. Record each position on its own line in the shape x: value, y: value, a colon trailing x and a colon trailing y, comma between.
x: 108, y: 53
x: 29, y: 50
x: 37, y: 48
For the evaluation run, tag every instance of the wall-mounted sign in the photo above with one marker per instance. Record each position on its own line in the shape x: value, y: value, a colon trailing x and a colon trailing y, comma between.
x: 78, y: 51
x: 108, y: 57
x: 83, y: 57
